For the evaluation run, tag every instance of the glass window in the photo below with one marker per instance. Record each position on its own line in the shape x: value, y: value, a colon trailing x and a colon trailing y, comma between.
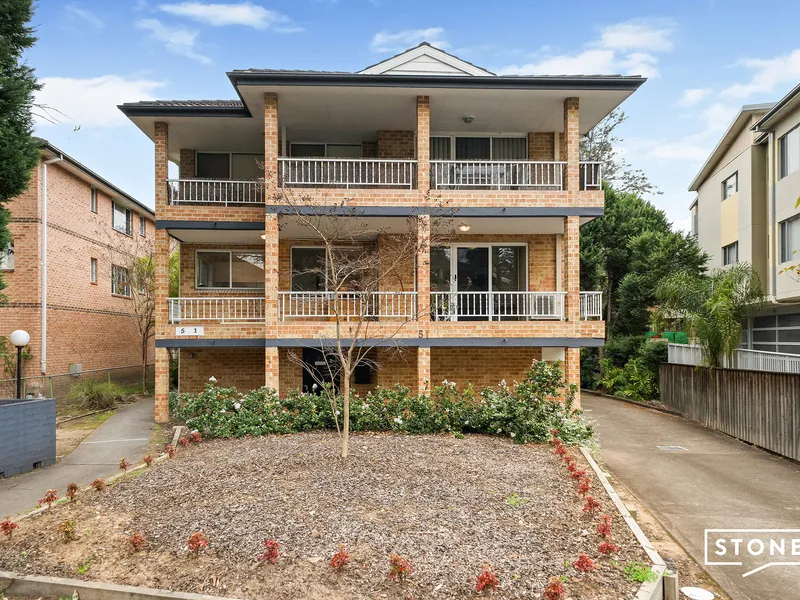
x: 120, y: 281
x: 307, y: 150
x: 789, y: 152
x: 142, y: 225
x: 478, y: 148
x: 730, y: 186
x: 505, y: 148
x: 93, y: 200
x: 730, y: 253
x: 343, y: 151
x: 508, y: 268
x: 213, y: 166
x: 440, y: 269
x: 7, y: 258
x: 790, y: 238
x: 308, y: 273
x: 230, y: 269
x: 247, y: 270
x: 122, y: 219
x: 247, y: 167
x: 440, y: 148
x: 93, y: 270
x: 695, y: 223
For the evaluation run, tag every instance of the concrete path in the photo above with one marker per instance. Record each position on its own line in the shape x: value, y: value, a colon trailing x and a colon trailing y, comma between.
x: 718, y: 483
x: 126, y: 433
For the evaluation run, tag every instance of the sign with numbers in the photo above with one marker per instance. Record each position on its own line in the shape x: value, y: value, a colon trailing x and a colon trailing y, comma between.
x: 189, y: 331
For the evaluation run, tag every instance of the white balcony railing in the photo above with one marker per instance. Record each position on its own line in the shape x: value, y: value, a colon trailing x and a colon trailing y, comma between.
x: 454, y: 306
x: 591, y: 305
x: 591, y: 176
x: 497, y: 175
x: 347, y: 305
x: 208, y: 191
x: 347, y: 172
x: 221, y: 310
x: 750, y: 360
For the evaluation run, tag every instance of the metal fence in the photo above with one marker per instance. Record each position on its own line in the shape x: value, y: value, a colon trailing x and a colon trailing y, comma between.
x: 750, y: 360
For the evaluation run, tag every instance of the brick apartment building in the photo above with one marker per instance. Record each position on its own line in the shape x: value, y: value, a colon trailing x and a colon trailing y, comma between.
x: 499, y: 152
x: 68, y: 229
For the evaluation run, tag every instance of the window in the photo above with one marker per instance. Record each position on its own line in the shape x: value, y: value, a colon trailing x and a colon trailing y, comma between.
x: 695, y: 224
x: 142, y: 225
x: 230, y: 269
x: 789, y: 153
x: 122, y: 219
x: 789, y: 238
x: 307, y: 269
x: 7, y: 258
x: 120, y: 281
x: 730, y: 253
x: 730, y: 186
x: 479, y: 148
x: 93, y: 200
x: 326, y: 150
x: 213, y: 166
x: 226, y: 165
x: 93, y: 270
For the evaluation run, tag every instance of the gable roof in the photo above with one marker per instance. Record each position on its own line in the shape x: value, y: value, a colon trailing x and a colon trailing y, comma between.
x: 788, y: 102
x: 425, y: 59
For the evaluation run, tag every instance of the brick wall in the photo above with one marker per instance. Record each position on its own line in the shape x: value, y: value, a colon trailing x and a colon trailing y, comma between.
x: 186, y: 168
x: 396, y: 144
x: 483, y: 367
x: 242, y: 368
x: 541, y: 146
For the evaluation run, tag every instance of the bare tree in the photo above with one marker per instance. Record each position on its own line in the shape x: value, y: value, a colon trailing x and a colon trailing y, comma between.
x: 359, y: 266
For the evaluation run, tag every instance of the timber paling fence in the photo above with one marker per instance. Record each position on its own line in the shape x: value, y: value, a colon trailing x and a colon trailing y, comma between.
x: 759, y: 407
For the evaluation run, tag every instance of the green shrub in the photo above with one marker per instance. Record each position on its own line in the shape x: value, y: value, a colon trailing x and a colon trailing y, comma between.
x: 526, y: 411
x: 590, y: 369
x: 653, y: 354
x: 95, y: 395
x: 620, y: 349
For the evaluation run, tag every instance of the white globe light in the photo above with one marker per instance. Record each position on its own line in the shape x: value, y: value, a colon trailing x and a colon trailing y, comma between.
x: 20, y: 338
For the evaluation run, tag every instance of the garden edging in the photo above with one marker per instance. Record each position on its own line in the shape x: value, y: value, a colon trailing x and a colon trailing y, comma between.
x: 653, y: 590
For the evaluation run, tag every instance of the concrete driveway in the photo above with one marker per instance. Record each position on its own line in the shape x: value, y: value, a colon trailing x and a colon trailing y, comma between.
x: 716, y: 483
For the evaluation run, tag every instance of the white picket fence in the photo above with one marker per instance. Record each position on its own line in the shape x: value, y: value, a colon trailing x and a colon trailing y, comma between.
x: 749, y: 360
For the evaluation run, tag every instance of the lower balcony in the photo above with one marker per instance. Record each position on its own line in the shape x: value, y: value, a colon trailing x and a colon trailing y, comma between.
x: 215, y: 310
x: 348, y: 306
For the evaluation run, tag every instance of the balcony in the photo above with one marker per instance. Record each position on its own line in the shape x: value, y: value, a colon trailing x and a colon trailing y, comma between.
x: 216, y: 192
x: 217, y: 310
x: 591, y: 176
x: 347, y: 173
x: 497, y: 306
x: 509, y: 175
x: 591, y: 306
x: 348, y: 305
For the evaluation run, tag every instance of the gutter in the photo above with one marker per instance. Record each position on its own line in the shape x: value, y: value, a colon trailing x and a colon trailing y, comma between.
x: 44, y: 259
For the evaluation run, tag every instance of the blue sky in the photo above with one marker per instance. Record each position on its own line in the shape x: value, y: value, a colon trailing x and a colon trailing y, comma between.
x: 704, y: 58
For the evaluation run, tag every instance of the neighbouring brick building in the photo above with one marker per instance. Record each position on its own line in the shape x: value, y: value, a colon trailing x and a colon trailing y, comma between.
x: 71, y: 229
x: 402, y: 146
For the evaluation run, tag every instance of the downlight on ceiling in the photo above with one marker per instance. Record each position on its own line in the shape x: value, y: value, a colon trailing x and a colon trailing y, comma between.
x: 464, y: 227
x: 468, y: 119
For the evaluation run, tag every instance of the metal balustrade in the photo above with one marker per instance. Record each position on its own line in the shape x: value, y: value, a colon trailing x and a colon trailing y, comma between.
x: 208, y: 191
x: 454, y: 306
x: 591, y: 305
x: 347, y: 173
x: 750, y: 360
x: 221, y: 310
x: 497, y: 175
x: 591, y: 176
x: 348, y: 305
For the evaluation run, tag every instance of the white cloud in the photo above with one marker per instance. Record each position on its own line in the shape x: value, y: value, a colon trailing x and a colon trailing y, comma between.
x: 688, y: 149
x: 92, y: 101
x: 718, y: 117
x: 768, y: 74
x: 640, y: 63
x: 84, y: 15
x: 693, y: 96
x: 243, y: 13
x: 639, y: 34
x: 684, y: 225
x: 384, y: 41
x: 179, y: 40
x: 590, y: 61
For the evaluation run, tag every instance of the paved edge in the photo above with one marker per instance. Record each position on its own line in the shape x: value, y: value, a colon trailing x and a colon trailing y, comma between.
x: 649, y: 590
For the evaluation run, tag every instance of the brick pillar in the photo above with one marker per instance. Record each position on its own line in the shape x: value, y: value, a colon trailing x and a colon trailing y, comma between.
x: 423, y: 370
x: 271, y: 286
x: 572, y: 370
x: 423, y: 270
x: 161, y: 137
x: 572, y: 268
x: 186, y: 170
x: 572, y: 144
x: 423, y: 144
x: 271, y: 147
x: 162, y: 385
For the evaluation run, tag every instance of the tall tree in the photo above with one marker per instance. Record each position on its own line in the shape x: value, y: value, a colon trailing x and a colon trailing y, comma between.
x: 19, y: 150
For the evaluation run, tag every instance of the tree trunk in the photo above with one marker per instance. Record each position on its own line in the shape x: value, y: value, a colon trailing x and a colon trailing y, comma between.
x: 346, y: 414
x: 144, y: 367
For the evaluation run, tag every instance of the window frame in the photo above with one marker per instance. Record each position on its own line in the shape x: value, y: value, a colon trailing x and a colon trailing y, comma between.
x: 93, y: 270
x: 726, y: 250
x: 93, y: 199
x: 735, y: 176
x: 782, y: 162
x: 142, y: 226
x: 8, y: 253
x: 785, y: 253
x: 313, y: 247
x: 128, y: 219
x: 490, y: 245
x: 127, y: 292
x: 452, y: 147
x: 230, y: 162
x: 230, y: 253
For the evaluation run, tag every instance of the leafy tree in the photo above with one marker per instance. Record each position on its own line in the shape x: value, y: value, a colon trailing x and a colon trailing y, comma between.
x: 600, y: 145
x: 712, y: 306
x: 19, y: 151
x: 174, y: 273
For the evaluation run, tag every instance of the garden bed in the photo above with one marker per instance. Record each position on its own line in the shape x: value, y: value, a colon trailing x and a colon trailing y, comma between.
x: 450, y: 506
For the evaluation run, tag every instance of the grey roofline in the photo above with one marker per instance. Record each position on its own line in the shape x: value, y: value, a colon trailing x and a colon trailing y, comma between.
x: 429, y: 46
x: 694, y: 202
x: 413, y: 342
x: 181, y: 109
x: 102, y: 180
x: 776, y: 109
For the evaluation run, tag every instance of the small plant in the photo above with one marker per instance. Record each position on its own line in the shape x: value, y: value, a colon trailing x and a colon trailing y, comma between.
x: 196, y: 437
x: 99, y: 484
x: 639, y: 572
x: 561, y: 450
x: 85, y: 566
x: 604, y: 527
x: 578, y: 474
x: 584, y: 486
x: 170, y: 450
x: 137, y: 542
x: 50, y: 497
x: 572, y: 467
x: 567, y: 458
x: 95, y: 395
x: 516, y: 500
x: 68, y: 530
x: 184, y: 441
x: 584, y: 564
x: 148, y: 460
x: 400, y: 568
x: 7, y: 527
x: 340, y: 559
x: 554, y: 590
x: 271, y: 552
x: 197, y: 542
x: 72, y: 492
x: 124, y: 465
x: 608, y: 548
x: 591, y: 506
x: 487, y: 580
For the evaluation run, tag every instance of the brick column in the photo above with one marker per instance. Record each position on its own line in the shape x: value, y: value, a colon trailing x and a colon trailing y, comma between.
x: 572, y: 371
x: 572, y: 268
x: 271, y: 283
x: 423, y: 144
x: 423, y: 370
x: 572, y: 143
x: 423, y: 274
x: 271, y: 147
x: 161, y: 137
x: 162, y: 385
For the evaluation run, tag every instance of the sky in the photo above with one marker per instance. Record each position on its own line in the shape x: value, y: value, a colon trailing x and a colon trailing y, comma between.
x: 704, y: 59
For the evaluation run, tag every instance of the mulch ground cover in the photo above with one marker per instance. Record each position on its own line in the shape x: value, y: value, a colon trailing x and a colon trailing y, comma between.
x: 450, y: 506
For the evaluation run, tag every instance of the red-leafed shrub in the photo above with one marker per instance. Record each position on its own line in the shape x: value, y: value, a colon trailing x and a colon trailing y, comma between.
x: 568, y: 459
x: 555, y: 433
x: 184, y: 441
x: 72, y: 492
x: 340, y: 559
x: 170, y: 450
x: 124, y: 465
x: 487, y: 580
x: 137, y: 542
x: 604, y: 527
x: 607, y: 548
x: 572, y: 467
x: 591, y: 506
x: 400, y: 568
x: 561, y: 450
x: 7, y: 527
x: 148, y: 460
x: 584, y: 486
x: 197, y: 542
x: 554, y: 590
x: 271, y: 552
x: 578, y: 474
x: 49, y: 497
x: 584, y: 564
x: 196, y: 437
x: 99, y: 484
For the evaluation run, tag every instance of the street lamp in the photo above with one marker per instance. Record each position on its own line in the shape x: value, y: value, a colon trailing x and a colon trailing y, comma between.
x: 20, y: 339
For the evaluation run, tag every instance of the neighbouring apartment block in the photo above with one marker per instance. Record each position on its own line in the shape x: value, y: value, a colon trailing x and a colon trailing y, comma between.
x: 746, y: 210
x: 402, y: 147
x: 65, y: 270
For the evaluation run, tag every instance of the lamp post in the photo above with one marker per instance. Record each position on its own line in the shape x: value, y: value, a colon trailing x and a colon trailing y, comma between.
x: 20, y: 339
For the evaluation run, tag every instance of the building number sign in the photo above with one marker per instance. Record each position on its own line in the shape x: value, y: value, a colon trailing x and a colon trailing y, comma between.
x: 189, y: 331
